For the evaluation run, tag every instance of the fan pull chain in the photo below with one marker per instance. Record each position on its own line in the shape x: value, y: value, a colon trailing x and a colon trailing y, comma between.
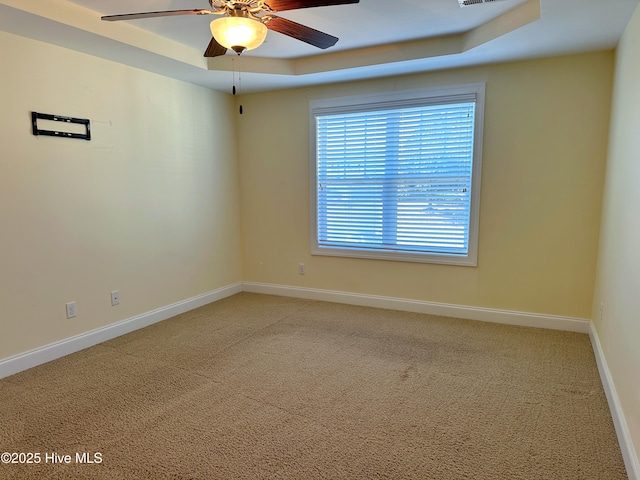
x: 233, y: 72
x: 239, y: 89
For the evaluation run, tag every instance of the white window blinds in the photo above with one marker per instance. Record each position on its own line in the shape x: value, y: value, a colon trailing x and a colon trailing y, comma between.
x: 396, y: 177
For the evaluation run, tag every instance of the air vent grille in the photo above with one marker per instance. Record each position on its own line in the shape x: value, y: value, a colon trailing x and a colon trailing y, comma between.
x: 467, y: 3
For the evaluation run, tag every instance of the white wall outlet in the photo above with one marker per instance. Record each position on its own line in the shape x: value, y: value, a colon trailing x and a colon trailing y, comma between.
x: 71, y: 309
x: 115, y: 298
x: 601, y: 311
x: 301, y: 269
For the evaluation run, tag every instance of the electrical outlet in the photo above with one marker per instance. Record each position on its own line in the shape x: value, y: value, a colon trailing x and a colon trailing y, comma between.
x: 301, y: 269
x: 71, y: 309
x: 115, y: 298
x: 601, y: 311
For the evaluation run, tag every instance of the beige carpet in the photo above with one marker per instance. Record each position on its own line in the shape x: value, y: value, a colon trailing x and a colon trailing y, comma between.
x: 263, y: 387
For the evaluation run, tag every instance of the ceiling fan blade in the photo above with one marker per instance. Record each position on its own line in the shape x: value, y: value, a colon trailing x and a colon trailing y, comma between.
x: 281, y: 5
x: 215, y: 49
x: 166, y: 13
x: 301, y: 32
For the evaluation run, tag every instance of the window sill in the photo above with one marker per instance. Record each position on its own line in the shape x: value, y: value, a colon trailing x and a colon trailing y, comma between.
x: 398, y: 256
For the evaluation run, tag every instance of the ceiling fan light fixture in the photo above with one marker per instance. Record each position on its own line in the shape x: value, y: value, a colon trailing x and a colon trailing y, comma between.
x: 238, y: 33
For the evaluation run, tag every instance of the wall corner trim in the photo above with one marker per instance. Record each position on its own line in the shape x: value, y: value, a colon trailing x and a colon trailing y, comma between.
x: 38, y: 356
x: 629, y: 454
x: 523, y: 319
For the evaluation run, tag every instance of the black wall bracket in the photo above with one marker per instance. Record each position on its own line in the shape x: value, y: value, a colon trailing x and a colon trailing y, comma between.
x: 59, y: 118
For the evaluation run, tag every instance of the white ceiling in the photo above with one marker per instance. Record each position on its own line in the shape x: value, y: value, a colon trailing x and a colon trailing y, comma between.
x: 377, y: 37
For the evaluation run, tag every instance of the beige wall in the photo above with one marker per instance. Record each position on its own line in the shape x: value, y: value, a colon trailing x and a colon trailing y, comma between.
x: 545, y: 143
x: 150, y: 206
x: 618, y: 279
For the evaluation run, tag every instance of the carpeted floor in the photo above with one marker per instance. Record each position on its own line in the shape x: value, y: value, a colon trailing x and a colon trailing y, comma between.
x: 265, y: 387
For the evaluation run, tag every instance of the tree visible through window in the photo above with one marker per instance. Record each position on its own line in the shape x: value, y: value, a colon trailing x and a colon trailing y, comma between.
x: 397, y: 176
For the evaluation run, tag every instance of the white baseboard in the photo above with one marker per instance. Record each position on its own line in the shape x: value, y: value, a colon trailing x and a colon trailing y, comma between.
x: 47, y: 353
x: 38, y: 356
x: 522, y: 319
x: 24, y: 361
x: 629, y: 453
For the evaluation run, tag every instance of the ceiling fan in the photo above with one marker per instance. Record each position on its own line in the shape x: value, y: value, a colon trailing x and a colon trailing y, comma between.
x: 243, y: 24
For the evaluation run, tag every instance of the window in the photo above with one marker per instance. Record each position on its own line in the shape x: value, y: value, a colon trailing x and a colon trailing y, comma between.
x: 397, y: 176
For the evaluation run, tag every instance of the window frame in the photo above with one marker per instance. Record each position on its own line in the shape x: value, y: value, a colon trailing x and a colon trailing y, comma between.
x: 406, y: 98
